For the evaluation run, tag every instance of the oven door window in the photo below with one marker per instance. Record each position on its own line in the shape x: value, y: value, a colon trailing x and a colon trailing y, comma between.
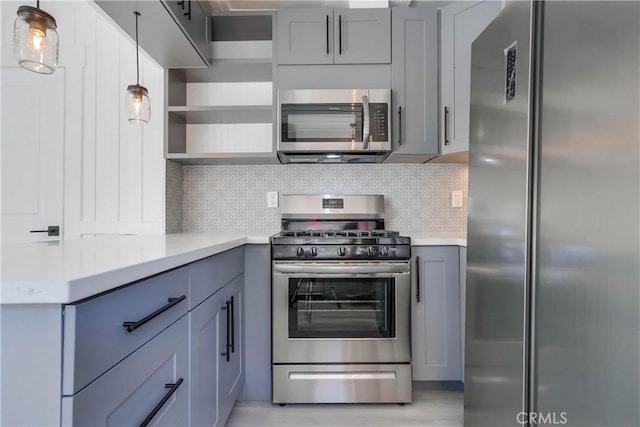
x: 321, y: 123
x: 341, y: 308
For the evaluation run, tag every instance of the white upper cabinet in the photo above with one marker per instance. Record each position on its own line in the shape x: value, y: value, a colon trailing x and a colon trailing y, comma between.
x: 460, y: 24
x: 334, y: 36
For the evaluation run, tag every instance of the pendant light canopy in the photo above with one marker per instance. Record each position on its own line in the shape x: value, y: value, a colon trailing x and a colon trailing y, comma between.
x: 35, y: 40
x: 137, y: 99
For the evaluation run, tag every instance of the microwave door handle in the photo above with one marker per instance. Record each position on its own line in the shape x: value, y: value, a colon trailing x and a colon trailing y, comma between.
x: 365, y: 124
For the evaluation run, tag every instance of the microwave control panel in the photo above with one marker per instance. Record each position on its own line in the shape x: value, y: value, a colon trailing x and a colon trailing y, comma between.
x: 379, y: 121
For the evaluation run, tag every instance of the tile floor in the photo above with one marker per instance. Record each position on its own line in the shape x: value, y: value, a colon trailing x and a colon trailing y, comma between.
x: 430, y: 408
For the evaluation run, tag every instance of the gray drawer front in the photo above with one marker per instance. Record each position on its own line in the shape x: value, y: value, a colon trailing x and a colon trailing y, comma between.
x: 94, y: 338
x: 129, y: 392
x: 210, y: 274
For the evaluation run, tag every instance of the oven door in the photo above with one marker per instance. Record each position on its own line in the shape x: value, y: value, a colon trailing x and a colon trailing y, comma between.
x: 341, y: 312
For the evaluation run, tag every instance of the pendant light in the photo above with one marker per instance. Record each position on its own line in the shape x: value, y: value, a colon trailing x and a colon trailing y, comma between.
x: 138, y: 105
x: 35, y: 40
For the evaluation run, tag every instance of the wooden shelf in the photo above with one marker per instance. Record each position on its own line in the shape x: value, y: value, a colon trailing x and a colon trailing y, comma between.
x: 223, y: 114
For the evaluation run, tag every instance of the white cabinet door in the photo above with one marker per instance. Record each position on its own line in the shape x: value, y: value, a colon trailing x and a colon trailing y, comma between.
x: 435, y: 312
x: 32, y: 153
x: 460, y: 24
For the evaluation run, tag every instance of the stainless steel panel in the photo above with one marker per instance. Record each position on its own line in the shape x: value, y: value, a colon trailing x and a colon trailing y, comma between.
x: 339, y: 350
x: 361, y: 206
x: 341, y: 383
x: 325, y: 96
x: 497, y: 227
x: 588, y: 296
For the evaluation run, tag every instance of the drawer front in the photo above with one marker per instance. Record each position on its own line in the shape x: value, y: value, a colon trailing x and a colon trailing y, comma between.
x: 94, y: 336
x: 209, y: 275
x: 136, y: 387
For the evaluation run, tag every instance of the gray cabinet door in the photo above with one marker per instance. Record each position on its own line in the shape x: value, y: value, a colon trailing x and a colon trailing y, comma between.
x: 231, y: 369
x: 206, y: 322
x: 131, y: 390
x: 461, y: 23
x: 414, y: 83
x: 194, y: 21
x: 362, y: 36
x: 305, y: 36
x: 436, y: 340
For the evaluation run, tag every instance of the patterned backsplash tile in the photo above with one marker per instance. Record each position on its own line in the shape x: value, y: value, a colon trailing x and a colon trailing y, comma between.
x: 234, y: 198
x: 174, y: 191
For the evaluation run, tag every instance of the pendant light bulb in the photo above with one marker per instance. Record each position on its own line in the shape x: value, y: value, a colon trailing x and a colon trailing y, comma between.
x: 35, y: 40
x: 137, y: 98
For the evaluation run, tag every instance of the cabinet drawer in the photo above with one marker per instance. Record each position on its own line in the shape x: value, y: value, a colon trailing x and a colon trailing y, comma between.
x: 208, y: 275
x: 94, y: 336
x: 130, y: 392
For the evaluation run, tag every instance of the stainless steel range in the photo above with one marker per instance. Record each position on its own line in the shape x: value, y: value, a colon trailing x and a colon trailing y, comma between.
x: 341, y: 303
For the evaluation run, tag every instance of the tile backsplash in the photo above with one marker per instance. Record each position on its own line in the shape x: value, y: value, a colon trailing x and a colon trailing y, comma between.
x: 234, y: 198
x: 174, y: 192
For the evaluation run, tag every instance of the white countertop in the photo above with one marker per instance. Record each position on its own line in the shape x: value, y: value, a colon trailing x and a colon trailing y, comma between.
x: 437, y: 239
x: 70, y: 270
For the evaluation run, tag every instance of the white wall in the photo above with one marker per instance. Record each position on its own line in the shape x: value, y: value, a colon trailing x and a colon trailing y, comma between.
x: 114, y: 171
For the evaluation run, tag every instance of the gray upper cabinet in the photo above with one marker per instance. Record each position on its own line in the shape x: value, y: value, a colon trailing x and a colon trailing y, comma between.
x: 461, y: 23
x: 340, y: 36
x: 414, y: 84
x: 173, y: 39
x: 362, y: 36
x: 305, y: 36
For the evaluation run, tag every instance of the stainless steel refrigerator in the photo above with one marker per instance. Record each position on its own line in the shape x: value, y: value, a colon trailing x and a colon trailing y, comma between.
x: 552, y: 321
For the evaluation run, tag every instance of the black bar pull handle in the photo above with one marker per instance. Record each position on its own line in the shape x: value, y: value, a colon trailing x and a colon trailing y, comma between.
x: 417, y: 279
x: 181, y: 4
x: 233, y: 326
x: 132, y: 326
x: 52, y: 230
x: 327, y: 34
x: 158, y: 407
x: 188, y: 12
x: 340, y: 34
x: 227, y: 353
x: 400, y: 125
x: 446, y: 125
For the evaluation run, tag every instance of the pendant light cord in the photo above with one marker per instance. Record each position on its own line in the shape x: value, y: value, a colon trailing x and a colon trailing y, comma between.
x: 137, y: 53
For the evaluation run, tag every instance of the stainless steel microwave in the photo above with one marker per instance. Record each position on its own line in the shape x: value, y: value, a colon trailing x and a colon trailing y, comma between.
x: 334, y: 125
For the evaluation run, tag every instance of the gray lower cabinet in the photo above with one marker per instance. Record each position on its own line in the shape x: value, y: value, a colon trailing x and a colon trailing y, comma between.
x: 151, y: 384
x: 205, y: 324
x: 435, y: 312
x: 328, y: 36
x: 414, y: 84
x: 231, y: 342
x: 461, y: 23
x: 216, y: 330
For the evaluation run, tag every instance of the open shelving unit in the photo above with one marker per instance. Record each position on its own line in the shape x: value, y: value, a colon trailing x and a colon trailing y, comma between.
x: 225, y: 114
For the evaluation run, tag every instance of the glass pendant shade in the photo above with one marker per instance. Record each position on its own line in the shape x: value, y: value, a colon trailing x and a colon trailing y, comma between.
x: 35, y: 40
x: 138, y: 105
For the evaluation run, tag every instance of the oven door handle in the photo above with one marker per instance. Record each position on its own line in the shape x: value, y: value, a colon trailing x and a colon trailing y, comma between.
x: 341, y: 269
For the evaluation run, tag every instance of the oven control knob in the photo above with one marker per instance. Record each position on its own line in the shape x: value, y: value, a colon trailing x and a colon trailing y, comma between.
x: 300, y: 251
x: 384, y: 251
x: 314, y: 251
x: 342, y: 251
x: 371, y: 251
